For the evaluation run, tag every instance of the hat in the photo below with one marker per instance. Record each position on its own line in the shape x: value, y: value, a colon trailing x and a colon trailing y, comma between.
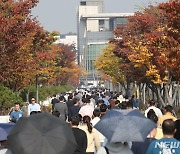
x: 3, y: 134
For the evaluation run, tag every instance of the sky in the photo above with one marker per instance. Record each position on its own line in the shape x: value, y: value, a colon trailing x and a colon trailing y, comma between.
x: 60, y: 15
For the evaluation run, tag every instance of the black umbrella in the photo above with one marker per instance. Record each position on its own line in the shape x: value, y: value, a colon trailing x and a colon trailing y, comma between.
x: 41, y: 134
x: 124, y: 125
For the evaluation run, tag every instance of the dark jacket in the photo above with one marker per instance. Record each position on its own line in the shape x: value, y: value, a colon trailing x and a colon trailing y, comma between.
x: 74, y: 110
x: 62, y: 108
x: 81, y: 139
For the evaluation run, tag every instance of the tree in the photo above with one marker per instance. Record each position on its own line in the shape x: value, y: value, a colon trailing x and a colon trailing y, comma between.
x: 150, y: 42
x: 55, y: 33
x: 8, y: 97
x: 66, y: 71
x: 108, y: 63
x: 21, y: 38
x: 16, y: 33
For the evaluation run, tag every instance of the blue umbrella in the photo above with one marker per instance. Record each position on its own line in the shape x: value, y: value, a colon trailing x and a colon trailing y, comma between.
x: 3, y: 134
x: 124, y: 125
x: 7, y: 126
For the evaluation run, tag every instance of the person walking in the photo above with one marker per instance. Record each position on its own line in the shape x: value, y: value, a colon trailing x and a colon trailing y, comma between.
x: 134, y: 101
x: 16, y: 114
x: 54, y: 101
x: 80, y: 136
x: 74, y: 110
x: 94, y: 121
x: 61, y: 107
x: 103, y: 109
x: 92, y: 135
x: 33, y: 106
x: 168, y: 144
x: 70, y: 101
x: 87, y: 109
x: 152, y: 105
x: 168, y: 115
x: 96, y: 117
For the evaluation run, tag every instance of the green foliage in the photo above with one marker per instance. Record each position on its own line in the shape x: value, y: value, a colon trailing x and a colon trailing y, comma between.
x: 8, y: 97
x: 24, y: 92
x: 55, y: 33
x: 44, y: 91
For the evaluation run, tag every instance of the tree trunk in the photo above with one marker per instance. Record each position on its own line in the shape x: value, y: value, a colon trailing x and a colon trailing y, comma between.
x: 171, y: 99
x: 27, y: 95
x: 160, y: 96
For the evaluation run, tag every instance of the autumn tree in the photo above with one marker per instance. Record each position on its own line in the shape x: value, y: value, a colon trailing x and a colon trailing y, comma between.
x: 108, y: 64
x: 21, y: 38
x: 150, y: 41
x: 67, y: 71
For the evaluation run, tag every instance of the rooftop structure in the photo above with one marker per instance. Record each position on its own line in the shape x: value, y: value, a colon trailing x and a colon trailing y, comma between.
x: 67, y: 39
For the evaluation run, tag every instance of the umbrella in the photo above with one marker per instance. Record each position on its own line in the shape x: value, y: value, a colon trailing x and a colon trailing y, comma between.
x: 124, y: 125
x: 7, y: 126
x: 41, y: 134
x: 3, y: 134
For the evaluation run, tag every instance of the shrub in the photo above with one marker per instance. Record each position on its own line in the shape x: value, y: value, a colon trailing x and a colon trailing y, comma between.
x: 8, y: 97
x: 44, y: 91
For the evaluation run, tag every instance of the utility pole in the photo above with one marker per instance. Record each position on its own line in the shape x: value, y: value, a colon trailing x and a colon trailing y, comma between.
x: 37, y: 90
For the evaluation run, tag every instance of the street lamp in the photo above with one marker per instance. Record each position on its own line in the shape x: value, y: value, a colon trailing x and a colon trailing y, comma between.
x: 37, y: 90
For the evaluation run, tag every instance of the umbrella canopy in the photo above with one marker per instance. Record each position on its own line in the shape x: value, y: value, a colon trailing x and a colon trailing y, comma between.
x: 41, y: 134
x: 3, y: 134
x: 124, y: 125
x: 7, y: 126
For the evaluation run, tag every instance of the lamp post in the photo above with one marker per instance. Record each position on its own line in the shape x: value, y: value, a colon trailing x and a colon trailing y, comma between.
x: 37, y: 90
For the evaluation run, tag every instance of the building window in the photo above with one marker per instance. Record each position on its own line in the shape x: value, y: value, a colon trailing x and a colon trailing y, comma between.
x: 121, y: 21
x: 101, y: 25
x: 83, y: 3
x: 94, y: 50
x: 91, y: 65
x: 101, y: 22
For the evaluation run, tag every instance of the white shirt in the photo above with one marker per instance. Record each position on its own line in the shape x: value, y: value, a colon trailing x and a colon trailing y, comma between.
x: 95, y: 121
x: 92, y: 102
x: 5, y: 151
x: 156, y: 110
x: 121, y: 98
x: 86, y: 110
x: 33, y: 107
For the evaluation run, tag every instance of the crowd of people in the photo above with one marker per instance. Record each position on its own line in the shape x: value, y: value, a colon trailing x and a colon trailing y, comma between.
x: 84, y: 109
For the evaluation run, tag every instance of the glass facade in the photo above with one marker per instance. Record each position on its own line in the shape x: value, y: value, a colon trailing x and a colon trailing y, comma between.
x: 94, y: 50
x: 120, y: 21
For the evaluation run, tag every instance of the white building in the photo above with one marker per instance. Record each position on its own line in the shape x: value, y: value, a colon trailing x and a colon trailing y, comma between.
x: 94, y: 29
x: 67, y: 39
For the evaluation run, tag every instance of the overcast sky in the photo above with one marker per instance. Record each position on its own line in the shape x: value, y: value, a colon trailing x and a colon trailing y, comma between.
x: 60, y: 15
